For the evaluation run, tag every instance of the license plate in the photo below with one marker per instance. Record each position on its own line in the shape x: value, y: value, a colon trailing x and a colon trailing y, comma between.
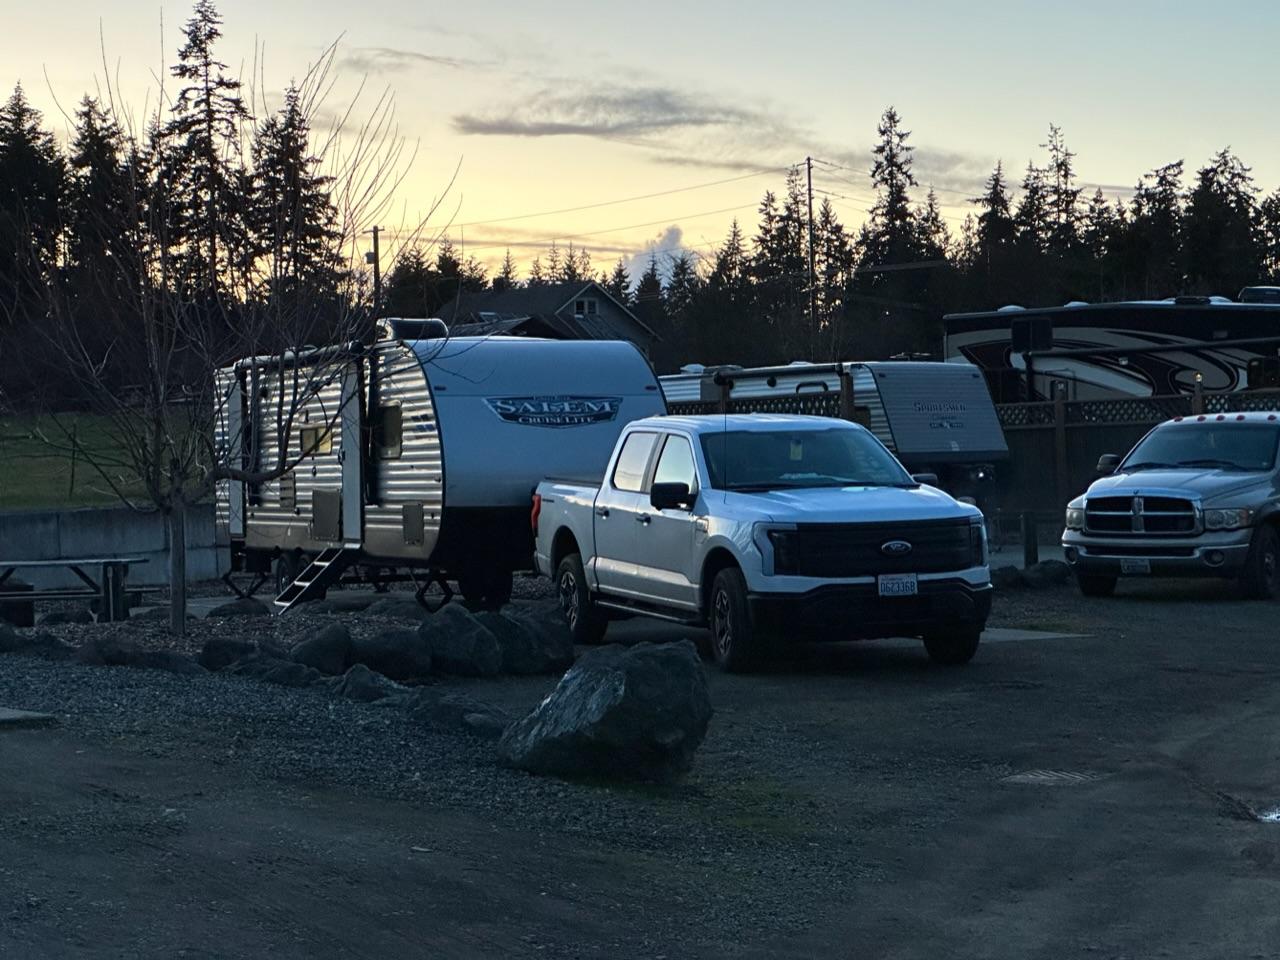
x: 898, y: 585
x: 1135, y: 565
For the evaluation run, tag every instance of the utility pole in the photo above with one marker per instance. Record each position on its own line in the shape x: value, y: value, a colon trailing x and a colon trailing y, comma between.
x: 813, y: 282
x: 372, y: 257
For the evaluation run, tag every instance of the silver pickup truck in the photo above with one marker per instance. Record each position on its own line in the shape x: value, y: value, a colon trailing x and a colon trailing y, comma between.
x: 765, y: 527
x: 1197, y: 496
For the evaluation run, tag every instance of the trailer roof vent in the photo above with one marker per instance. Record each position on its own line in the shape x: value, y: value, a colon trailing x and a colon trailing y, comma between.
x: 1260, y: 295
x: 1076, y: 303
x: 1011, y: 308
x: 1192, y: 301
x: 402, y: 328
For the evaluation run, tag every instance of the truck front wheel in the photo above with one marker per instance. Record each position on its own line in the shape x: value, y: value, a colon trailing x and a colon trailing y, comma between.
x: 736, y: 643
x: 586, y: 623
x: 954, y: 647
x: 1261, y: 576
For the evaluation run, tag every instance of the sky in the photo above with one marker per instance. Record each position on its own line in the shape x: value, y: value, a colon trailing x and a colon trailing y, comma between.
x: 667, y: 120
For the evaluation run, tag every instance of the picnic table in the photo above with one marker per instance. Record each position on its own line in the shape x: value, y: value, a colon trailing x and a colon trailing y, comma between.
x: 108, y: 589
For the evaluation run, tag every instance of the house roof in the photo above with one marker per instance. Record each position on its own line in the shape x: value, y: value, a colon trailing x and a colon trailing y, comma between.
x: 543, y: 300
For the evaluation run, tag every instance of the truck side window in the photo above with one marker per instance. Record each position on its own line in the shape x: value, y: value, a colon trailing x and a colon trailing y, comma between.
x: 387, y: 431
x: 676, y: 464
x: 633, y: 462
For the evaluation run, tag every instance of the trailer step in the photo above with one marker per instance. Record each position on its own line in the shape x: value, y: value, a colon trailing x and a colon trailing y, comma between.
x: 318, y: 575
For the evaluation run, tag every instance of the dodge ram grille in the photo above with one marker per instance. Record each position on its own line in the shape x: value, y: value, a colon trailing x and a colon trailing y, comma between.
x: 1130, y: 515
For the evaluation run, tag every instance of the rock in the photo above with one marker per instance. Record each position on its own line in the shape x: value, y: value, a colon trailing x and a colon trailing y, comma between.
x: 395, y: 609
x: 401, y: 654
x: 328, y: 651
x: 1046, y: 573
x: 362, y: 684
x: 461, y: 644
x: 635, y: 713
x: 284, y: 673
x: 221, y: 652
x: 454, y: 712
x: 37, y: 645
x: 57, y: 618
x: 108, y: 652
x: 245, y: 607
x: 530, y: 644
x: 166, y: 660
x: 1006, y: 578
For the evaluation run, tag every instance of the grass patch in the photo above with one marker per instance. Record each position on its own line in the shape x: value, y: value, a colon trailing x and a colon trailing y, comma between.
x: 37, y: 474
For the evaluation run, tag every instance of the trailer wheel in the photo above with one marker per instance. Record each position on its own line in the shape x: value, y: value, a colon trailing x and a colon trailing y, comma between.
x: 587, y: 623
x: 486, y: 589
x: 287, y: 567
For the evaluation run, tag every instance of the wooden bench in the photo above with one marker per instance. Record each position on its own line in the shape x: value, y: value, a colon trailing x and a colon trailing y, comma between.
x: 109, y: 589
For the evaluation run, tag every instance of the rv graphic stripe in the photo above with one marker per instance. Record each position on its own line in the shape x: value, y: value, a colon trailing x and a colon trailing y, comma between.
x: 557, y: 411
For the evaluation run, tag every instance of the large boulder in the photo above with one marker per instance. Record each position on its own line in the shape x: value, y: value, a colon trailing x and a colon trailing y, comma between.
x: 395, y: 609
x: 284, y: 673
x: 34, y: 644
x: 1006, y: 578
x: 363, y: 685
x: 401, y: 654
x: 457, y: 712
x: 56, y: 618
x: 635, y: 713
x: 529, y: 645
x: 221, y: 652
x: 244, y: 607
x: 461, y: 644
x: 328, y: 651
x: 123, y: 652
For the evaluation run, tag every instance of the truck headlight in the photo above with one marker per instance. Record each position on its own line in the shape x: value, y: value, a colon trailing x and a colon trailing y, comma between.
x: 1075, y: 518
x: 978, y: 542
x: 786, y: 554
x: 1235, y: 518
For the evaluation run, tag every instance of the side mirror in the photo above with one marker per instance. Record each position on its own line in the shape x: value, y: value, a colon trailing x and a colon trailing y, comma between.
x: 670, y: 496
x: 925, y: 479
x: 1107, y: 464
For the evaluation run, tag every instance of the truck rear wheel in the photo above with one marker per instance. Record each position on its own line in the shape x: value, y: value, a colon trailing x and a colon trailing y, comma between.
x: 736, y: 643
x: 587, y: 624
x: 954, y: 647
x: 1096, y: 586
x: 1260, y: 578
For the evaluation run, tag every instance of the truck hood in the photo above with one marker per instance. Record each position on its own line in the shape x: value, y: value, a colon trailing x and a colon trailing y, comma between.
x: 847, y: 505
x: 1195, y: 483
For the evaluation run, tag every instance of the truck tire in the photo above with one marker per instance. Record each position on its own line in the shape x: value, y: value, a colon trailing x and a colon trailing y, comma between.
x: 1096, y: 586
x: 587, y: 623
x: 1260, y: 578
x: 736, y: 643
x: 954, y: 647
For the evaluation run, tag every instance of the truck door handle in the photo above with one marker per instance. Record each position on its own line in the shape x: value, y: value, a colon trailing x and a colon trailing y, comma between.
x: 643, y: 519
x: 602, y: 512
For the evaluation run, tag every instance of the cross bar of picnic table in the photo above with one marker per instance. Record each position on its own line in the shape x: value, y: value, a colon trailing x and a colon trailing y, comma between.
x: 108, y: 589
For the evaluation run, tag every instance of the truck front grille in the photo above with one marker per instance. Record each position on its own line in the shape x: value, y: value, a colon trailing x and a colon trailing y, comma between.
x: 856, y: 550
x: 1130, y: 515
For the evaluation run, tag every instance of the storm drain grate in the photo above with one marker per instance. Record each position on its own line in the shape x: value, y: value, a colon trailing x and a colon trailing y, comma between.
x: 1053, y: 778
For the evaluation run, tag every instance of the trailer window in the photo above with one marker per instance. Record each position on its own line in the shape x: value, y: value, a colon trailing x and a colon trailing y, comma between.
x: 387, y: 432
x: 633, y: 462
x: 315, y: 440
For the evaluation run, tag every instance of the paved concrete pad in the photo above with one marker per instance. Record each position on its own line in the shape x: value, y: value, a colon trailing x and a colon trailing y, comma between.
x: 24, y: 719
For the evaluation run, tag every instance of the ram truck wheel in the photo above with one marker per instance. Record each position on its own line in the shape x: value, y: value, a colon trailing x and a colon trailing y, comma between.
x: 1260, y: 578
x: 736, y: 643
x: 587, y: 623
x: 953, y: 647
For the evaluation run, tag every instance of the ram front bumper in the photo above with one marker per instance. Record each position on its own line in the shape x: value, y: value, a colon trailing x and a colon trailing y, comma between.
x: 1216, y: 554
x: 857, y: 611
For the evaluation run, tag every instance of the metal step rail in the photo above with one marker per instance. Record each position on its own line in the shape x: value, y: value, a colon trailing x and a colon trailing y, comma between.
x: 316, y: 577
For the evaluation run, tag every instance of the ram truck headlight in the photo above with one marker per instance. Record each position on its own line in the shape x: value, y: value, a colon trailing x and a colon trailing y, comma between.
x: 1075, y: 518
x: 1230, y: 518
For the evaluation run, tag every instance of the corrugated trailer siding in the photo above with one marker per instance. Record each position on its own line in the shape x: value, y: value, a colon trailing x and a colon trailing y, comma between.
x: 273, y: 521
x: 418, y: 475
x: 225, y: 382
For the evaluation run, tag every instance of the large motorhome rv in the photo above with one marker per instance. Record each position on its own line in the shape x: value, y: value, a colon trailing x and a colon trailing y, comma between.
x: 417, y: 454
x: 1087, y: 351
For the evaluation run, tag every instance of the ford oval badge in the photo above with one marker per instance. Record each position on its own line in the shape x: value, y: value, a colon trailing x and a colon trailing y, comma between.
x: 895, y: 548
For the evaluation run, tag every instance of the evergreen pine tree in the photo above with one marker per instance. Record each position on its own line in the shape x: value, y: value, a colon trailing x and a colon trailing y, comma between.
x: 935, y: 238
x: 891, y: 235
x: 537, y: 274
x: 1221, y: 242
x: 618, y: 283
x: 1152, y: 249
x: 1033, y: 216
x: 507, y: 276
x: 1063, y: 194
x: 101, y: 205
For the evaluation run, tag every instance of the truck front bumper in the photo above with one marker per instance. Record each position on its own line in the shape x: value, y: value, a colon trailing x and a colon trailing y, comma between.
x: 857, y: 612
x: 1218, y: 554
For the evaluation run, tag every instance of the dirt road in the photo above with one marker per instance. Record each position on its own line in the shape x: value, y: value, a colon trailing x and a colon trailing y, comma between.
x: 857, y: 802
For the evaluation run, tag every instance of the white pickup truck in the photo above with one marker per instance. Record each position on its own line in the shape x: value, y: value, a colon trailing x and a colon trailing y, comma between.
x: 764, y: 528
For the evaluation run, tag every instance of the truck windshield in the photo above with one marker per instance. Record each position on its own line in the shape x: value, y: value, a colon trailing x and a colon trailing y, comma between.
x: 1222, y: 446
x: 785, y: 459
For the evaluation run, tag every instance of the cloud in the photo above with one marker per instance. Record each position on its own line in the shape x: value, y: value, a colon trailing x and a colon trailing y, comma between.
x: 609, y: 112
x: 665, y: 246
x: 392, y: 60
